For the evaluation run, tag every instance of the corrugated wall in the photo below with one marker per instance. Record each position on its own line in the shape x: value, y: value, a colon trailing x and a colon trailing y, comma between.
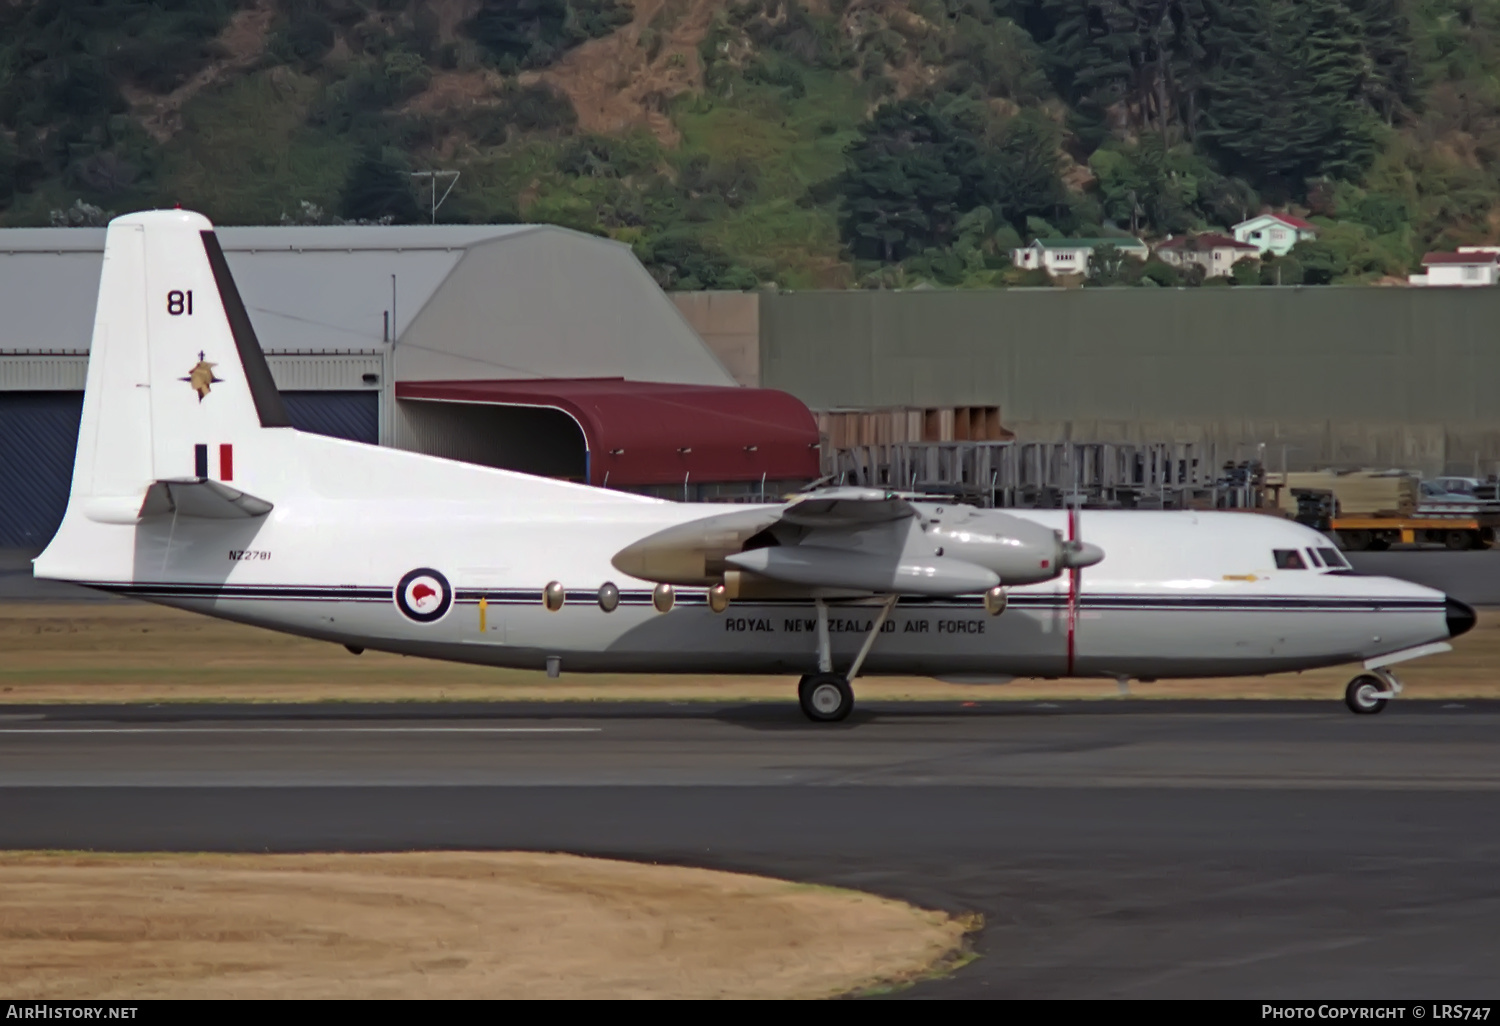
x: 38, y: 433
x: 36, y: 372
x: 300, y: 372
x: 305, y: 372
x: 1360, y: 375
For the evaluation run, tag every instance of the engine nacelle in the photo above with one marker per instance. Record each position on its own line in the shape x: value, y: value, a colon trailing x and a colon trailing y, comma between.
x: 1019, y: 551
x: 910, y: 574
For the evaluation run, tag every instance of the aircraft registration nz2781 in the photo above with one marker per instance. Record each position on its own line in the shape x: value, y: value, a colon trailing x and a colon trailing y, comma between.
x: 191, y: 488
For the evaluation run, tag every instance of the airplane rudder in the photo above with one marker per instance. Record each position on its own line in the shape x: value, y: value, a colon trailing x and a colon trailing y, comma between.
x: 211, y: 386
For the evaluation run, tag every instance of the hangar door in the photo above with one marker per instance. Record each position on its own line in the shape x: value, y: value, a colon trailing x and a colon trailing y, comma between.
x: 39, y: 432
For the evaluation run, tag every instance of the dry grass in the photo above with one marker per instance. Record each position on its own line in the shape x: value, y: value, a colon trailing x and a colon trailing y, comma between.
x: 449, y: 924
x: 131, y: 652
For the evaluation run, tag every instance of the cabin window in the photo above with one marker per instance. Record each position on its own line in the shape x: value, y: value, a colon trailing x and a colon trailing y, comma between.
x: 1289, y: 559
x: 1335, y: 558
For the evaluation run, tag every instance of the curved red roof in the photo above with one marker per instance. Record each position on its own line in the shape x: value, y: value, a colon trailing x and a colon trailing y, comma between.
x: 649, y: 433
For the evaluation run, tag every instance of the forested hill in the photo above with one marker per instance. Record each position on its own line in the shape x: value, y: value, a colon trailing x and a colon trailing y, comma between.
x: 801, y: 142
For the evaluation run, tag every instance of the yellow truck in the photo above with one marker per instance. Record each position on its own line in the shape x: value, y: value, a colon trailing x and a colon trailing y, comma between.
x: 1373, y: 510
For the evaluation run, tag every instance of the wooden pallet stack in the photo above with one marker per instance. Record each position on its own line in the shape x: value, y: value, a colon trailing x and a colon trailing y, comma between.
x: 845, y: 429
x: 1358, y: 492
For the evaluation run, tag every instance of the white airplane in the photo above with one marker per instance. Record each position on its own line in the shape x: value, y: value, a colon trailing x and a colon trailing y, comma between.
x: 191, y: 489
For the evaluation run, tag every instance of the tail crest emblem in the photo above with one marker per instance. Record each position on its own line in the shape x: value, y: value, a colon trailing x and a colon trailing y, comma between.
x: 201, y: 377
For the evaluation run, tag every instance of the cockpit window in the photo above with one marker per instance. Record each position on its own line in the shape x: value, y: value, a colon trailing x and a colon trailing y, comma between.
x: 1289, y: 559
x: 1312, y: 557
x: 1334, y: 558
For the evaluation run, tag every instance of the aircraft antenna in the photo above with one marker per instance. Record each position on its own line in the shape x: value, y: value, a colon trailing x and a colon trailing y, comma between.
x: 432, y: 178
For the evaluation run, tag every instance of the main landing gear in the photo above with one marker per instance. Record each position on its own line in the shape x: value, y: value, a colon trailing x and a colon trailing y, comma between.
x: 826, y: 696
x: 1368, y: 693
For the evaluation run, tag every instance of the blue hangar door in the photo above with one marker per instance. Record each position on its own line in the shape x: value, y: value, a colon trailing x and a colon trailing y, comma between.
x: 39, y: 433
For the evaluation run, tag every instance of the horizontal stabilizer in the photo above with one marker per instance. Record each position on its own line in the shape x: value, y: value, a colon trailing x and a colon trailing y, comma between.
x: 199, y: 497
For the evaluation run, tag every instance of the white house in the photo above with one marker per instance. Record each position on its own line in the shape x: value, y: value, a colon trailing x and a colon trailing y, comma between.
x: 1071, y: 256
x: 1470, y: 266
x: 1216, y: 254
x: 1274, y: 233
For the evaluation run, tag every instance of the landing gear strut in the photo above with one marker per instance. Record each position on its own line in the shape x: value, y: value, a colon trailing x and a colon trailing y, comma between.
x: 826, y: 696
x: 1368, y: 693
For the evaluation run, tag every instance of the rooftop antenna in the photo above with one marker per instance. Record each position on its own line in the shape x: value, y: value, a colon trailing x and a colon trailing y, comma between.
x: 432, y: 177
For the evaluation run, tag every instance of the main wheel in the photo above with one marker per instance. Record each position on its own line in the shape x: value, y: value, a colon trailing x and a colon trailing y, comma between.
x: 825, y: 697
x: 1361, y: 696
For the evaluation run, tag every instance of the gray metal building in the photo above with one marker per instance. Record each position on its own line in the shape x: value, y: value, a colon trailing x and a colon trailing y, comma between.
x: 343, y: 314
x: 1392, y: 377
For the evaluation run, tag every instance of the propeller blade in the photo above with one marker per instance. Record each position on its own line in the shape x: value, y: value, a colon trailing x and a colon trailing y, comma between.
x: 1076, y: 547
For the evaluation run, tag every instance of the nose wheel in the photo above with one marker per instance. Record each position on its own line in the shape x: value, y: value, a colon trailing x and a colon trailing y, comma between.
x: 825, y: 697
x: 1369, y: 693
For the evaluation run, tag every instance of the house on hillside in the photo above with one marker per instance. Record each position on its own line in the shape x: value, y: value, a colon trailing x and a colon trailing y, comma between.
x: 1274, y: 233
x: 1071, y: 256
x: 1471, y: 266
x: 1216, y: 254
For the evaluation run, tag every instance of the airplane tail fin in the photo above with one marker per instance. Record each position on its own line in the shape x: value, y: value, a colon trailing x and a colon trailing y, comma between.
x: 176, y: 375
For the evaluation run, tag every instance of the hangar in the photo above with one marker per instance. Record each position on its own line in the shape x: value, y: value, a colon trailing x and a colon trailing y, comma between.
x: 527, y: 347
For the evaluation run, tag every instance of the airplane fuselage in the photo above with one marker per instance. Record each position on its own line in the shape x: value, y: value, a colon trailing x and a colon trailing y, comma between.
x: 1178, y: 593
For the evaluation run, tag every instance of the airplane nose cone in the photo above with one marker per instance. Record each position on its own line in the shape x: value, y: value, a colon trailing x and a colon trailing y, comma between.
x: 1081, y: 554
x: 1461, y: 618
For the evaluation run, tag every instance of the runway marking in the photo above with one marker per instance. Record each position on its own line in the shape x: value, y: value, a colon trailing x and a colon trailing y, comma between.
x: 300, y: 730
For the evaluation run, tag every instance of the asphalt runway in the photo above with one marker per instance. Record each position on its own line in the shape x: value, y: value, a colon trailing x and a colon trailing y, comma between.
x: 1267, y: 850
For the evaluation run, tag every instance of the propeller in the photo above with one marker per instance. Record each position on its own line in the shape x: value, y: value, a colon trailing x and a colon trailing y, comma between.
x: 1076, y: 555
x: 1074, y: 572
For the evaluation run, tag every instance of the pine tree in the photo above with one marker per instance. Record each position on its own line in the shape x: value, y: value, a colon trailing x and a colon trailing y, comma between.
x: 1025, y: 178
x: 1145, y: 54
x: 376, y: 190
x: 1393, y: 85
x: 910, y: 176
x: 1284, y: 101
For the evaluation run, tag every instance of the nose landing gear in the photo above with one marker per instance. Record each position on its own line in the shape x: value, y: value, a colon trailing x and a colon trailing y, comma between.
x: 1368, y: 693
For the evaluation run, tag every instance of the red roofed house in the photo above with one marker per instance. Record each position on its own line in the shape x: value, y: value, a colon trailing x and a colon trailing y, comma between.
x: 1215, y: 253
x: 1274, y: 233
x: 1470, y: 266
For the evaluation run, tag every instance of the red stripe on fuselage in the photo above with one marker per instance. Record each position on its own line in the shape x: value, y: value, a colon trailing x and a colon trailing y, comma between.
x: 226, y: 463
x: 1072, y: 589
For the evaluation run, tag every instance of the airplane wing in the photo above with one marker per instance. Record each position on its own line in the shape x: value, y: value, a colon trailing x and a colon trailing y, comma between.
x: 847, y: 507
x: 853, y: 541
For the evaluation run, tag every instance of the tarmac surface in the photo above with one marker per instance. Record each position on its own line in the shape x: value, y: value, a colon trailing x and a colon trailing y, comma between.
x: 1265, y: 850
